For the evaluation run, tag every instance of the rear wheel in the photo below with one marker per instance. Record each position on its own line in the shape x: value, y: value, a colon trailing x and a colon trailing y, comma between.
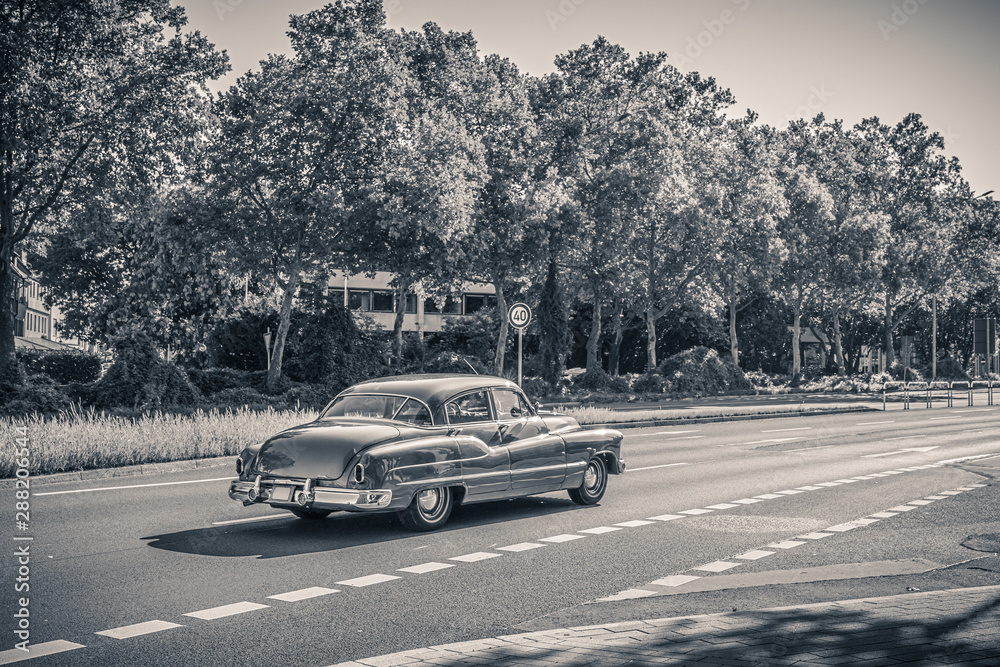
x: 595, y: 481
x: 311, y: 515
x: 429, y: 510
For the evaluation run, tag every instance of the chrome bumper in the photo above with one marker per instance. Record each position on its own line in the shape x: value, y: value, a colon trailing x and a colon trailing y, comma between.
x: 288, y: 493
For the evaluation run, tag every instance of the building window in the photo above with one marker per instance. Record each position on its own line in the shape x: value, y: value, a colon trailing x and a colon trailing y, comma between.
x: 359, y: 300
x: 476, y: 302
x: 383, y: 301
x: 411, y: 304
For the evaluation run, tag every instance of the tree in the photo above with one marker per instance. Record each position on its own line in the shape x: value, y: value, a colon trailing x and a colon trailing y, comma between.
x: 302, y: 146
x: 95, y: 97
x: 746, y: 198
x: 916, y: 187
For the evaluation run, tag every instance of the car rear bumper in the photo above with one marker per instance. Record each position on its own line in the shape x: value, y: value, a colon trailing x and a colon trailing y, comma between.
x: 304, y: 495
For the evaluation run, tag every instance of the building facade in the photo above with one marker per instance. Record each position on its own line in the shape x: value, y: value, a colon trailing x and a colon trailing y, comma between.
x: 35, y: 322
x: 371, y: 296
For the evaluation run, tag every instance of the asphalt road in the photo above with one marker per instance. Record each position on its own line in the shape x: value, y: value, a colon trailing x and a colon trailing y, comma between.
x: 173, y: 553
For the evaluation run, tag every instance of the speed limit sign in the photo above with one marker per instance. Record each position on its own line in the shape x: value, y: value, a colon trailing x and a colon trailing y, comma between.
x: 519, y: 315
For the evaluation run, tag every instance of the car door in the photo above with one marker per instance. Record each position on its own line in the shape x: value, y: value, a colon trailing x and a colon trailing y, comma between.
x: 537, y: 457
x: 485, y: 463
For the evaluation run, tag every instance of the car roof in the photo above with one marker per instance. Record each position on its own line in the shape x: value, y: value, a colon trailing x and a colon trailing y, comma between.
x: 432, y: 389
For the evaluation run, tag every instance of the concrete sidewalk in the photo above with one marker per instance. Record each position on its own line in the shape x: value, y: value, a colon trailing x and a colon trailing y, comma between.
x: 947, y: 627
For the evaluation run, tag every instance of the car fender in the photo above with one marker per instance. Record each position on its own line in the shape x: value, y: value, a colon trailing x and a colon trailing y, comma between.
x: 585, y: 444
x: 406, y: 466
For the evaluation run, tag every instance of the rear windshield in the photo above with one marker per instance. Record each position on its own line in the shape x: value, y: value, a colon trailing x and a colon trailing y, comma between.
x: 395, y: 408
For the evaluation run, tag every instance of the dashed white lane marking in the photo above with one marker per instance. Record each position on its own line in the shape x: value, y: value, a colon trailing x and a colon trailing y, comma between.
x: 370, y: 580
x: 600, y: 530
x: 829, y: 484
x: 523, y: 546
x: 951, y: 493
x: 873, y: 423
x: 790, y: 492
x: 902, y: 508
x: 665, y: 465
x: 935, y: 497
x: 786, y: 544
x: 129, y: 631
x: 13, y: 655
x: 809, y: 488
x: 784, y: 430
x: 133, y: 486
x: 303, y: 594
x: 747, y: 501
x: 884, y: 515
x: 675, y: 580
x: 633, y: 524
x: 226, y: 610
x: 906, y: 437
x: 283, y: 515
x: 762, y: 442
x: 425, y: 568
x: 666, y: 517
x: 557, y: 539
x: 843, y: 527
x: 475, y: 557
x: 816, y: 536
x: 756, y: 554
x: 938, y: 418
x: 769, y: 496
x: 675, y: 432
x: 716, y: 566
x: 920, y: 502
x: 721, y: 506
x: 695, y: 511
x: 685, y: 437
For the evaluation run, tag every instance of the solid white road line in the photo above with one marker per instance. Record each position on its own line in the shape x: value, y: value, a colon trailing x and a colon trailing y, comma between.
x: 873, y: 423
x: 37, y: 651
x: 783, y: 430
x: 303, y: 594
x: 631, y: 594
x: 665, y: 465
x: 129, y: 631
x: 807, y: 449
x: 134, y: 486
x: 283, y: 515
x: 226, y: 610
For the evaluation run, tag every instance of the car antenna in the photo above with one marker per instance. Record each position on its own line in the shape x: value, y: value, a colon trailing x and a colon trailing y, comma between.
x: 471, y: 366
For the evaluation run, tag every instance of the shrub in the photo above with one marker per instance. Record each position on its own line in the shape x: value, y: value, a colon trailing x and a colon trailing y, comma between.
x: 601, y: 381
x: 650, y: 383
x: 44, y: 399
x: 474, y: 336
x: 308, y: 396
x: 12, y: 377
x: 536, y: 387
x: 948, y: 368
x: 213, y: 380
x: 138, y: 378
x: 239, y: 396
x: 897, y: 371
x: 63, y: 366
x: 701, y: 371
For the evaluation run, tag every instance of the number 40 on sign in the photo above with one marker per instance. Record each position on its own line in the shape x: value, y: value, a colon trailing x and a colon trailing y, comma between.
x: 519, y: 316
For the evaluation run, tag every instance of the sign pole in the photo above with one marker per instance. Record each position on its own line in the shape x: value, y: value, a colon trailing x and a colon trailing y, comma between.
x: 519, y: 315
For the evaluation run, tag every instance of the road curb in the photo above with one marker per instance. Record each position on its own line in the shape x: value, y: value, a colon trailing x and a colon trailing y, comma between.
x: 193, y: 464
x: 680, y: 421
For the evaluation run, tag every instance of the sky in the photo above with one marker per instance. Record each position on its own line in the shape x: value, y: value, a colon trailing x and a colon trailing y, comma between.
x: 784, y: 59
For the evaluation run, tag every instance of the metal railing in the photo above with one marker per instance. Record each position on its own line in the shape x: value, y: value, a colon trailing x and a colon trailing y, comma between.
x: 929, y: 392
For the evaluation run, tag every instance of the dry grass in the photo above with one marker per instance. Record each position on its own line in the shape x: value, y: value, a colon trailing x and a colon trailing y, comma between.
x: 82, y: 440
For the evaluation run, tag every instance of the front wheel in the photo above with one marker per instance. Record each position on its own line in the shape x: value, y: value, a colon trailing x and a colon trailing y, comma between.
x: 429, y: 510
x: 595, y: 482
x: 312, y: 515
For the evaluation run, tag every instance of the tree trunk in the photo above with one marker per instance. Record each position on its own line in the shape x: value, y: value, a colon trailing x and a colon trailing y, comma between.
x: 284, y: 324
x: 650, y: 341
x: 498, y: 357
x: 616, y: 343
x: 594, y: 340
x: 7, y: 318
x: 890, y: 355
x: 397, y: 323
x: 796, y: 338
x: 734, y: 347
x: 838, y: 343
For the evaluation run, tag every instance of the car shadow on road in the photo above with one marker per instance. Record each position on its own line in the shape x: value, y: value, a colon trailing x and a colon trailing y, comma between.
x: 290, y: 536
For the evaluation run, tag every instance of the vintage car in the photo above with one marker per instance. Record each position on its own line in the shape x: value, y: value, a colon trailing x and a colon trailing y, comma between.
x: 419, y: 444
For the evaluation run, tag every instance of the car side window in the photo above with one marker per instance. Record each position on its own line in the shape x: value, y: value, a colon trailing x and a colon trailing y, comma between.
x: 469, y: 408
x: 413, y: 412
x: 510, y: 405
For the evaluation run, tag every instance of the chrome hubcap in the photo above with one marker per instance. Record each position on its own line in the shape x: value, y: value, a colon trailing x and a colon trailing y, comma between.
x: 428, y: 500
x: 590, y: 477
